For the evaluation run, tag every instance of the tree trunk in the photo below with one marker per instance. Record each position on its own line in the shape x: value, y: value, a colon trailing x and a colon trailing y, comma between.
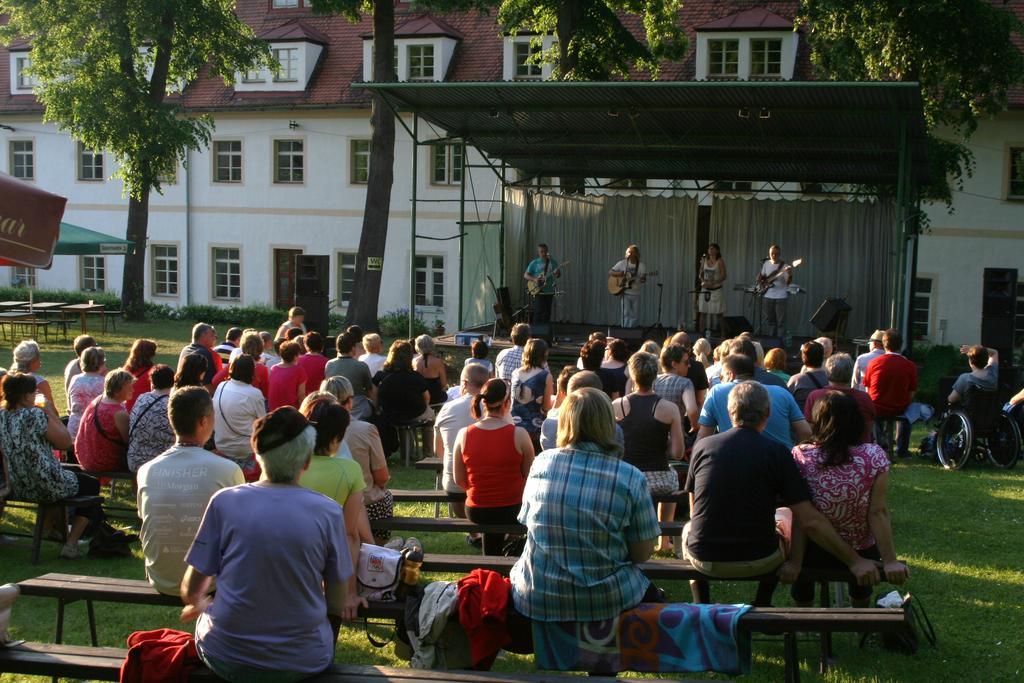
x: 133, y: 281
x: 570, y: 16
x: 362, y: 309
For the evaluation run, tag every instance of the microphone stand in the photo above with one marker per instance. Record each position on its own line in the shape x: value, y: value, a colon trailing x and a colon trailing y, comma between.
x: 657, y: 325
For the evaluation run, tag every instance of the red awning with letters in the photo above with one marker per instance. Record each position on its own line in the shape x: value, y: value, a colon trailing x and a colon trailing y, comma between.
x: 29, y: 222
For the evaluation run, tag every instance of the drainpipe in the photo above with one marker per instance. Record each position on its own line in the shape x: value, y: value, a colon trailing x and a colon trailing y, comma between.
x: 188, y: 227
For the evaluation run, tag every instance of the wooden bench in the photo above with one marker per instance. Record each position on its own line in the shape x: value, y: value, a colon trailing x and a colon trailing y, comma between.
x: 58, y: 507
x: 439, y: 496
x: 104, y: 663
x: 787, y: 622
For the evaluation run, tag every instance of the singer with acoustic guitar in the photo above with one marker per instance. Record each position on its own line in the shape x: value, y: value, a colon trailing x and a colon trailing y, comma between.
x: 624, y: 280
x: 773, y: 281
x: 710, y: 302
x: 540, y: 277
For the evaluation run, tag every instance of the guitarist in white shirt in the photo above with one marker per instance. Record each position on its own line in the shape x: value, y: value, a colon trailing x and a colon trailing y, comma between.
x: 776, y: 295
x: 636, y: 273
x: 543, y: 271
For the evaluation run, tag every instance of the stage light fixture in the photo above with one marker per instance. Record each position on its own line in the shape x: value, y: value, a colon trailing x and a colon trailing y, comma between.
x: 493, y: 113
x: 743, y: 113
x: 764, y: 113
x: 613, y: 113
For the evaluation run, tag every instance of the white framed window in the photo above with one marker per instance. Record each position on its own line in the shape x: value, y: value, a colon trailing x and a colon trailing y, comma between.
x: 90, y: 164
x: 288, y: 59
x: 227, y: 161
x: 24, y: 276
x: 446, y: 163
x: 285, y: 4
x: 24, y: 80
x: 359, y: 161
x: 165, y: 269
x: 22, y: 160
x: 254, y: 76
x: 227, y: 273
x: 346, y: 277
x: 421, y: 62
x: 522, y: 51
x: 93, y: 273
x: 766, y: 58
x: 723, y: 58
x: 1015, y: 175
x: 430, y: 281
x: 921, y: 308
x: 169, y: 178
x: 289, y: 161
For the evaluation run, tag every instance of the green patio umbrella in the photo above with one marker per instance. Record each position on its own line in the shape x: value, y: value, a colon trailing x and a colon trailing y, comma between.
x: 78, y: 241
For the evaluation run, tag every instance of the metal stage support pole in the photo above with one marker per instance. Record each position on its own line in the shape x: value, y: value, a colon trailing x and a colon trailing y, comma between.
x: 412, y: 226
x: 462, y: 230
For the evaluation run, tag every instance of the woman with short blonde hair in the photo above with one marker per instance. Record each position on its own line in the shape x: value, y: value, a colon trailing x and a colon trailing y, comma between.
x: 578, y: 565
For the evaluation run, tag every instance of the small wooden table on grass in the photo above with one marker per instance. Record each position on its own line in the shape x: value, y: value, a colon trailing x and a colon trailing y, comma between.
x: 81, y: 310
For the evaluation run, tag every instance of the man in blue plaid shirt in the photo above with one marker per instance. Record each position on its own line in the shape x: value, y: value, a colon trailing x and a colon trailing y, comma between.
x: 509, y: 360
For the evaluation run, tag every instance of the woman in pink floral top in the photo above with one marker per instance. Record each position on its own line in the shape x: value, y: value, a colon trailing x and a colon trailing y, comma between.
x: 848, y: 481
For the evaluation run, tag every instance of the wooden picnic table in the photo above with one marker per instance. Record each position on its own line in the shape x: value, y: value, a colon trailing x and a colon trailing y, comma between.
x: 9, y: 305
x: 82, y: 309
x: 11, y: 317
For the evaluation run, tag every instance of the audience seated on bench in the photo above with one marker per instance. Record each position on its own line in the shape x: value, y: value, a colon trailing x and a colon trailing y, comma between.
x: 101, y: 444
x: 28, y: 437
x: 452, y: 418
x: 174, y: 488
x: 85, y: 386
x: 742, y: 469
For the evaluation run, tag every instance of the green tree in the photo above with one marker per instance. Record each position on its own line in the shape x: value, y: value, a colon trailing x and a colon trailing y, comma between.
x: 110, y: 73
x: 962, y: 53
x: 593, y: 42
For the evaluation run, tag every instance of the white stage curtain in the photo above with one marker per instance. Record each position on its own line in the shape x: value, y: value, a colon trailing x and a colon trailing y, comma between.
x: 848, y: 249
x: 593, y: 232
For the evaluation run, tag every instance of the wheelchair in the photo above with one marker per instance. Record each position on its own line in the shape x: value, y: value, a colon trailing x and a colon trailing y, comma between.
x: 978, y: 429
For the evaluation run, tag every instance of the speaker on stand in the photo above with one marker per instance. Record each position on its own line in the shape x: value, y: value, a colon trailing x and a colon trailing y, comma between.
x: 998, y: 309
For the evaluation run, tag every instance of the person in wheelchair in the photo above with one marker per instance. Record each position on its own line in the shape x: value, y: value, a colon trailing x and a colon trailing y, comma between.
x: 984, y: 374
x: 974, y: 426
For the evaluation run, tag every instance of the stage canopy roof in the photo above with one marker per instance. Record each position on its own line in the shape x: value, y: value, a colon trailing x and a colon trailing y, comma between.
x: 710, y: 130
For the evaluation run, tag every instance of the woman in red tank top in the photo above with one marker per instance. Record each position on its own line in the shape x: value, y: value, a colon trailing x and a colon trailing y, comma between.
x: 491, y: 460
x: 101, y: 444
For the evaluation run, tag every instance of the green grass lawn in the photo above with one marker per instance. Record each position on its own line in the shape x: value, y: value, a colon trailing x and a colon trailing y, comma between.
x: 961, y: 533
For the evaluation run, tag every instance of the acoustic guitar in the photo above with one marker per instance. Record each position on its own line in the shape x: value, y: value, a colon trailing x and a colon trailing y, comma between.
x: 617, y: 284
x: 764, y: 282
x: 534, y: 287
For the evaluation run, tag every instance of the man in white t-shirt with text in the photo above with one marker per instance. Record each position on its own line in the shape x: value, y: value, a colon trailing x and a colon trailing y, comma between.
x: 175, y: 487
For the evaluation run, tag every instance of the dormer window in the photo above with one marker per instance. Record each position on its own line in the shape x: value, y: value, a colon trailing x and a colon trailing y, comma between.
x: 520, y: 53
x: 296, y: 48
x: 423, y: 50
x: 285, y: 4
x: 421, y: 62
x: 723, y: 58
x: 22, y: 82
x: 288, y: 61
x: 753, y: 44
x: 765, y: 58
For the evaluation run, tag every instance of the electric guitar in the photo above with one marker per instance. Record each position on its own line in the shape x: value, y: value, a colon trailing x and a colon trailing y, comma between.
x: 534, y: 287
x: 764, y: 282
x: 617, y: 284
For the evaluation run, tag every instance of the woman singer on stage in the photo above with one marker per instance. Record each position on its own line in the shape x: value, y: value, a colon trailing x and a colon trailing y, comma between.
x: 711, y: 301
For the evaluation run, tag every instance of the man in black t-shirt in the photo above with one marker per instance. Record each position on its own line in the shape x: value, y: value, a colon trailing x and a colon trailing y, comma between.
x: 735, y: 481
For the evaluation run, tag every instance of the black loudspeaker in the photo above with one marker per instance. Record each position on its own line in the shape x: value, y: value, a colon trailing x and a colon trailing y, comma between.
x: 545, y: 331
x: 317, y: 309
x: 829, y: 314
x: 997, y: 333
x: 312, y: 276
x: 999, y: 292
x: 733, y: 325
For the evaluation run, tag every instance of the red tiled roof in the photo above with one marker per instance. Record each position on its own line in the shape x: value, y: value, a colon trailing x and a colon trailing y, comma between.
x: 754, y: 19
x: 296, y: 30
x: 477, y: 57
